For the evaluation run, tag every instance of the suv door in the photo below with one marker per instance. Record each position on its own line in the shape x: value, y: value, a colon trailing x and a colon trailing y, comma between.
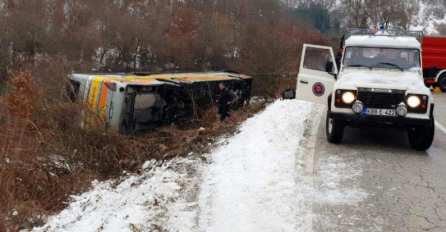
x: 317, y: 74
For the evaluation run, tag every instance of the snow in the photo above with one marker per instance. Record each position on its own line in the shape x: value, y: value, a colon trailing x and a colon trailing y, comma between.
x: 257, y: 99
x: 383, y: 41
x: 334, y: 172
x: 250, y: 185
x: 382, y: 33
x: 156, y: 199
x: 257, y: 181
x: 380, y: 78
x: 260, y: 179
x: 426, y: 22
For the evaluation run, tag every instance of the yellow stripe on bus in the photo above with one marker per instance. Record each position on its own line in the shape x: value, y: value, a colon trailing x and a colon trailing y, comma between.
x: 102, y: 102
x: 93, y: 99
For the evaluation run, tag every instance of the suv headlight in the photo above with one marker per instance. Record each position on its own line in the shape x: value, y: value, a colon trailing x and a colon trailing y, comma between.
x: 414, y: 101
x: 417, y: 103
x: 348, y: 97
x: 345, y: 98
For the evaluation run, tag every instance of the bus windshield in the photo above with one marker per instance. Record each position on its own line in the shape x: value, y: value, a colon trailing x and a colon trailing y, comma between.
x: 389, y: 58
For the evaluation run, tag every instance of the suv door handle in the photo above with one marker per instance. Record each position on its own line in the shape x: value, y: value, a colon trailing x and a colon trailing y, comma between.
x: 304, y: 82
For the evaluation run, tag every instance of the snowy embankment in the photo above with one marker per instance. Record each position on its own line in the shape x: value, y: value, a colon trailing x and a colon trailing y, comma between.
x: 260, y: 179
x: 152, y: 201
x: 251, y: 184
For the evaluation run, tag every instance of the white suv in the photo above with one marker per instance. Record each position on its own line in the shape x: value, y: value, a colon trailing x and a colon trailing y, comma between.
x: 380, y: 83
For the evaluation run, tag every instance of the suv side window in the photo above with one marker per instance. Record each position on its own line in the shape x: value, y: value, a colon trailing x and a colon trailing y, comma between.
x: 316, y: 58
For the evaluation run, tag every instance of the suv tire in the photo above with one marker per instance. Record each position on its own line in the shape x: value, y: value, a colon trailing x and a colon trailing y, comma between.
x: 421, y: 137
x: 334, y: 130
x: 442, y: 83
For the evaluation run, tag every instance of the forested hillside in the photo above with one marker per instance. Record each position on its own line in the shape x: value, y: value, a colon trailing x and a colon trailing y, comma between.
x: 147, y: 35
x: 328, y: 15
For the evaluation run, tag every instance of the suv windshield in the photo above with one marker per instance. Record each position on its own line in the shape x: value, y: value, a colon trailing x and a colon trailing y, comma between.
x: 390, y: 58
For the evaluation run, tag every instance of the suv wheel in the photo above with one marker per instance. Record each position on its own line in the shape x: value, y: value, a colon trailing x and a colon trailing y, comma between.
x: 442, y: 83
x: 335, y: 130
x: 421, y: 137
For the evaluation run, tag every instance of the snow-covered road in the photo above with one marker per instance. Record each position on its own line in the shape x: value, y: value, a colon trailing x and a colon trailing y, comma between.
x: 260, y: 179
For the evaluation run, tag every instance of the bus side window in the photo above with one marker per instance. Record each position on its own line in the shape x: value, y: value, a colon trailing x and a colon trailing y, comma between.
x: 72, y: 90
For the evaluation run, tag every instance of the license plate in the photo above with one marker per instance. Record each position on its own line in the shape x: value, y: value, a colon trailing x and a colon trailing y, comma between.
x: 380, y: 112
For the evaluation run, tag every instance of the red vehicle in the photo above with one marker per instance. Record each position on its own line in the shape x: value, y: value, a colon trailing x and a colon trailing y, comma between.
x: 434, y: 61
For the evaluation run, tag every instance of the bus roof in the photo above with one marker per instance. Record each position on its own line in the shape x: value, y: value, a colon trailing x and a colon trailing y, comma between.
x: 154, y: 78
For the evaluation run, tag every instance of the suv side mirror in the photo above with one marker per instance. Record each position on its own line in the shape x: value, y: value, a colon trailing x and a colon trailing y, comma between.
x: 432, y: 73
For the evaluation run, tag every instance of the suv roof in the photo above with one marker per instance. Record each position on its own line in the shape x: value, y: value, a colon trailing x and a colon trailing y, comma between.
x: 383, y: 41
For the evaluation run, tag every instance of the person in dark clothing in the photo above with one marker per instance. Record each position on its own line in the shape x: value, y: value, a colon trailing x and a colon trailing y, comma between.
x: 338, y: 60
x: 224, y: 102
x: 342, y: 42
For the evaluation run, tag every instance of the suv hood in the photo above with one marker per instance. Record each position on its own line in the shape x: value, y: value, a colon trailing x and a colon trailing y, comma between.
x: 386, y: 79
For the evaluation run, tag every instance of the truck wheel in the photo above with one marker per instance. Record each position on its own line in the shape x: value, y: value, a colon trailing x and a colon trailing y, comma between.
x: 421, y: 137
x: 442, y: 83
x: 335, y: 130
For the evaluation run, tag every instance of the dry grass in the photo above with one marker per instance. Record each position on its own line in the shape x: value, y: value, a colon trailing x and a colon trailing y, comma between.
x: 272, y: 86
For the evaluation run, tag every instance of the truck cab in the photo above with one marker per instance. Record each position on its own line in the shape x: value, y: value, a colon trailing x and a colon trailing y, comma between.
x: 379, y: 84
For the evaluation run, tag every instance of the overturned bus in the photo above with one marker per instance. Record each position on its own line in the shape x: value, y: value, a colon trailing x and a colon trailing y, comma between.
x: 138, y: 101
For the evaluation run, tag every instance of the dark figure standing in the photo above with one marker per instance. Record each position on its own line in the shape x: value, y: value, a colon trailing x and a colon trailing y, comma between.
x: 224, y: 102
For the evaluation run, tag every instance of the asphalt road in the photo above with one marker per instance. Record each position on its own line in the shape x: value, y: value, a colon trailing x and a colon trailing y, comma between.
x: 383, y: 184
